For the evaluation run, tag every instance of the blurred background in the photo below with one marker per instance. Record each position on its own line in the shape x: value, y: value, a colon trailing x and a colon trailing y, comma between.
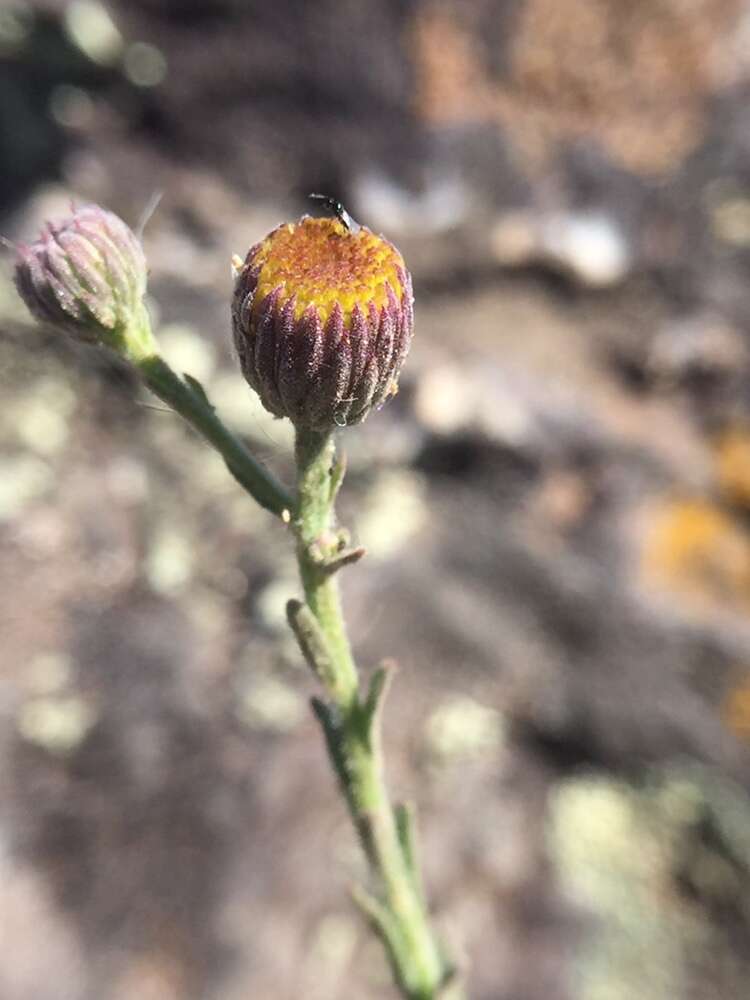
x: 556, y: 506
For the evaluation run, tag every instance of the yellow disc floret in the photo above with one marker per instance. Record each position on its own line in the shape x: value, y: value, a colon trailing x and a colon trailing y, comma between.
x: 322, y: 263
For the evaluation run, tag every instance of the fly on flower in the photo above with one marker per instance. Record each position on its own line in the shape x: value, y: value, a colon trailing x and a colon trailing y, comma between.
x: 336, y: 207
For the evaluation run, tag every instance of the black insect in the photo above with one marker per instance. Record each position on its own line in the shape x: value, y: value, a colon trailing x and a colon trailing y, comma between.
x: 335, y: 207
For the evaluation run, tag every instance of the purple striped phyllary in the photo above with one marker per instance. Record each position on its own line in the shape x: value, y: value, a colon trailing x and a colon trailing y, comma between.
x: 322, y: 318
x: 86, y: 276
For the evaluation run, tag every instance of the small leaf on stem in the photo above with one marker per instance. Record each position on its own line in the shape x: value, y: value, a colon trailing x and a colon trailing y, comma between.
x: 372, y: 705
x: 328, y: 720
x: 313, y: 644
x: 347, y: 557
x: 338, y: 471
x: 198, y: 389
x: 406, y: 825
x: 381, y: 921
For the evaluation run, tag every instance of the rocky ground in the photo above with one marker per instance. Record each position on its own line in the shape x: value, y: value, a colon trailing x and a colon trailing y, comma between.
x: 556, y: 507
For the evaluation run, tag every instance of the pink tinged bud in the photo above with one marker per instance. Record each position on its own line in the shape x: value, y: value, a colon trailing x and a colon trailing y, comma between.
x: 322, y: 320
x: 87, y: 277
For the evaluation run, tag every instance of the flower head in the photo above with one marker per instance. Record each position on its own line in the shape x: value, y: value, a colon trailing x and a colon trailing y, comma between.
x: 322, y: 318
x: 87, y: 276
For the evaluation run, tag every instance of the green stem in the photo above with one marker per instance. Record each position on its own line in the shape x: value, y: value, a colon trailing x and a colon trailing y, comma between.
x: 189, y: 400
x: 351, y: 725
x: 314, y: 453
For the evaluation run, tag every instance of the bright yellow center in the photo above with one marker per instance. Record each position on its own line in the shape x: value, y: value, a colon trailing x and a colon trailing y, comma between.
x: 322, y: 263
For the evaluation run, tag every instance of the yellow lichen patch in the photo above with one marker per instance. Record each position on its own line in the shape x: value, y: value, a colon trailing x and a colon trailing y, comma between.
x: 699, y: 551
x: 735, y: 710
x: 733, y: 465
x: 322, y: 263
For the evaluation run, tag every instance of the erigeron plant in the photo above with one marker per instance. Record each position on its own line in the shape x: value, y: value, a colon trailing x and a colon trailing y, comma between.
x: 322, y: 320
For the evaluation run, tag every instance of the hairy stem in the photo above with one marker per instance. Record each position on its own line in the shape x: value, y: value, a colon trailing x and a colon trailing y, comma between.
x: 186, y: 397
x: 351, y: 725
x: 314, y: 454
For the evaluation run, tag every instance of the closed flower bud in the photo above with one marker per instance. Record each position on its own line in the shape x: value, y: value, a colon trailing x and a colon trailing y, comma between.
x: 87, y: 277
x: 322, y: 320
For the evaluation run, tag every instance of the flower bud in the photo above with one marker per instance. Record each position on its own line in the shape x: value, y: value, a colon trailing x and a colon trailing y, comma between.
x: 322, y: 319
x: 87, y: 277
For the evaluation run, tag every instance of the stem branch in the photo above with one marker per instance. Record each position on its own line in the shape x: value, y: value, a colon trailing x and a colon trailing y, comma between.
x: 189, y: 400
